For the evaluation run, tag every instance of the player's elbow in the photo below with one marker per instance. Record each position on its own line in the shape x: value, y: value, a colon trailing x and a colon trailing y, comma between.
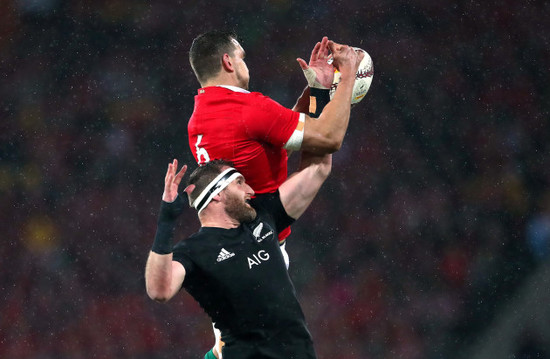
x: 331, y: 145
x: 335, y: 145
x: 323, y: 145
x: 320, y: 139
x: 158, y: 295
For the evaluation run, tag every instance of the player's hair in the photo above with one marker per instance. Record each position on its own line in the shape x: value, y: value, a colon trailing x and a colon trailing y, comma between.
x: 207, y: 51
x: 203, y: 175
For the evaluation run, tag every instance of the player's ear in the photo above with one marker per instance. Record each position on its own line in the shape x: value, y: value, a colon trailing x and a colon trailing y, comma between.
x: 227, y: 63
x: 189, y: 189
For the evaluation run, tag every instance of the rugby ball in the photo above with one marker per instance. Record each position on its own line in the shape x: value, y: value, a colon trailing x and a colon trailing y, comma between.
x: 363, y: 79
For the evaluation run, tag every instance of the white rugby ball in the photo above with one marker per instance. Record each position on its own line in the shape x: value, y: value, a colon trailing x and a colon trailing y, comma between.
x: 363, y: 79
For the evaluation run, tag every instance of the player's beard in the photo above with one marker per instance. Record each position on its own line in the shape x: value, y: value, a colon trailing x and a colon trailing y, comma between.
x: 238, y: 209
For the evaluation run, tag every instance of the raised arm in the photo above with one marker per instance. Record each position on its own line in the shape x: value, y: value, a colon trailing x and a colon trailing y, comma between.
x: 302, y: 186
x: 319, y: 73
x: 164, y: 277
x: 326, y: 133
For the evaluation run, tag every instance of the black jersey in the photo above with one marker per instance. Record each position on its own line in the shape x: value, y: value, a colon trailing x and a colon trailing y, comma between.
x: 239, y: 278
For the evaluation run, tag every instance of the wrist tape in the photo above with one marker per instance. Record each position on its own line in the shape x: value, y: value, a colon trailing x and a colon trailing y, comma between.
x: 318, y: 99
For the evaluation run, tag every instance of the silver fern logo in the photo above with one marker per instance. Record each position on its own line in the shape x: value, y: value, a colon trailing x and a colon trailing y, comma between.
x: 258, y: 231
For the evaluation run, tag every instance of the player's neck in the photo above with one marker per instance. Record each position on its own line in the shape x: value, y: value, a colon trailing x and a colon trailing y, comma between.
x: 218, y: 219
x: 224, y: 78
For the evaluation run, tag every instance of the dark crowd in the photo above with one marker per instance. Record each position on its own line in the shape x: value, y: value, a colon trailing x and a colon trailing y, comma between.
x: 436, y: 210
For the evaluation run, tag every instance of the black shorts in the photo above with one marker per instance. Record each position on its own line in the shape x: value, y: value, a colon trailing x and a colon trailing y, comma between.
x: 290, y: 345
x: 268, y: 350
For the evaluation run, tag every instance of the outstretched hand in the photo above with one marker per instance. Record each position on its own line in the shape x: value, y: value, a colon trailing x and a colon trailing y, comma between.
x: 346, y: 58
x: 323, y: 71
x: 172, y: 181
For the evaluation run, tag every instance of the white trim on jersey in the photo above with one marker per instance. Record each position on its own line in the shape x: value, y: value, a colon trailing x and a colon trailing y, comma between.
x: 285, y: 255
x: 234, y: 88
x: 294, y: 143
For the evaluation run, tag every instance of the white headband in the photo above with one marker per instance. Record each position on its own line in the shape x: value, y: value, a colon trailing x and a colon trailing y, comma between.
x: 216, y: 186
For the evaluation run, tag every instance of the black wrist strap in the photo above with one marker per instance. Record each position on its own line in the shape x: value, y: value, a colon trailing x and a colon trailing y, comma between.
x: 318, y: 99
x: 163, y: 238
x: 166, y: 225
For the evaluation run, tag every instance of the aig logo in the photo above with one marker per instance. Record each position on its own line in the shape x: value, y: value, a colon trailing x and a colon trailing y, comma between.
x: 258, y: 258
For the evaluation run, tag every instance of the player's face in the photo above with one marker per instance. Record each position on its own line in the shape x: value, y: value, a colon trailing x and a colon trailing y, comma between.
x: 241, y: 70
x: 237, y: 195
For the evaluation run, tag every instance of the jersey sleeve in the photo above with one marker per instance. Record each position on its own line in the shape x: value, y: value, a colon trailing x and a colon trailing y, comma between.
x: 266, y: 120
x: 271, y: 203
x: 180, y: 255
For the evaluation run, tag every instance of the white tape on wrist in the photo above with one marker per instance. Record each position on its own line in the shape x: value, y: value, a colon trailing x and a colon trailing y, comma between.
x: 311, y: 78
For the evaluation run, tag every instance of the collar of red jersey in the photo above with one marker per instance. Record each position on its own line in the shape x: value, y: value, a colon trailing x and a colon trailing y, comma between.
x: 234, y: 88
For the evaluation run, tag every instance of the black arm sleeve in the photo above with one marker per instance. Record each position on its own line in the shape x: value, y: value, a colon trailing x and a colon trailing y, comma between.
x: 166, y: 225
x: 271, y: 203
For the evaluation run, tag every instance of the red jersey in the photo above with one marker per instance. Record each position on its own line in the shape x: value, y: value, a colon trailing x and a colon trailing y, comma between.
x: 246, y: 128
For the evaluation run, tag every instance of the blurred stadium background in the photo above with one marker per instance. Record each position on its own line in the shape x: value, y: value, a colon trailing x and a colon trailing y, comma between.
x: 430, y: 240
